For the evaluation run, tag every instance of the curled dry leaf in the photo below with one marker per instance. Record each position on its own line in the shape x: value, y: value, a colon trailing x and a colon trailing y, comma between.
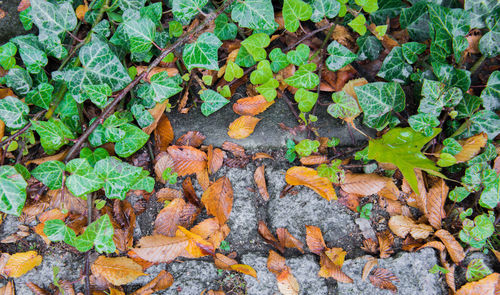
x: 37, y: 290
x: 164, y: 133
x: 236, y: 149
x: 8, y: 289
x: 197, y: 245
x: 123, y: 218
x: 287, y: 283
x: 177, y: 212
x: 251, y: 106
x: 158, y: 113
x: 191, y: 138
x: 433, y: 244
x: 383, y: 278
x: 288, y: 241
x: 189, y: 192
x: 314, y: 239
x: 402, y: 225
x: 349, y: 86
x: 260, y: 180
x: 57, y: 157
x: 266, y: 234
x: 309, y: 177
x: 170, y: 71
x: 257, y: 156
x: 168, y: 194
x: 364, y: 184
x: 389, y: 191
x: 314, y: 160
x: 210, y: 230
x: 276, y: 263
x: 162, y: 162
x: 160, y: 248
x: 369, y: 265
x: 242, y: 127
x: 331, y: 265
x: 455, y: 250
x: 385, y: 242
x: 485, y: 286
x: 370, y: 246
x: 117, y: 270
x: 450, y: 276
x: 218, y: 199
x: 187, y: 159
x: 471, y: 147
x: 436, y: 196
x: 203, y: 179
x: 224, y: 262
x: 215, y: 158
x: 20, y: 263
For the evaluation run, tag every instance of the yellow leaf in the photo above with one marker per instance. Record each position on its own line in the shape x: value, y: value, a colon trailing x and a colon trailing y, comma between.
x: 118, y: 270
x: 80, y: 11
x: 20, y: 263
x: 471, y: 147
x: 309, y: 177
x: 242, y: 127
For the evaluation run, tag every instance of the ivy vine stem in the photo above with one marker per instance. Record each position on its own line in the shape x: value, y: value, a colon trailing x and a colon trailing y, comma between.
x: 22, y: 130
x: 122, y: 93
x: 477, y: 64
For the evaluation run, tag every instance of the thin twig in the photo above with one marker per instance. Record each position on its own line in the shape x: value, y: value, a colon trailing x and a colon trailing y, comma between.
x: 307, y: 36
x: 182, y: 40
x: 22, y: 130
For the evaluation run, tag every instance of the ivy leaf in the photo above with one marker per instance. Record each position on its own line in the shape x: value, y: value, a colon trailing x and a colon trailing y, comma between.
x: 358, y: 24
x: 306, y: 147
x: 278, y: 59
x: 451, y: 146
x: 225, y: 30
x: 437, y: 96
x: 262, y: 74
x: 154, y: 13
x: 93, y: 156
x: 479, y: 10
x: 141, y: 115
x: 175, y: 28
x: 299, y: 56
x: 52, y: 19
x: 98, y: 234
x: 50, y: 173
x: 324, y: 8
x: 411, y: 50
x: 26, y: 18
x: 339, y: 57
x: 7, y: 53
x: 268, y: 89
x: 185, y: 10
x: 415, y: 20
x: 68, y: 112
x: 31, y: 51
x: 161, y: 87
x: 202, y: 53
x: 368, y: 5
x: 118, y: 176
x: 295, y: 11
x: 131, y: 4
x: 394, y: 67
x: 485, y: 121
x: 423, y: 123
x: 386, y: 9
x: 232, y: 71
x: 13, y: 112
x: 13, y: 191
x: 53, y: 134
x: 212, y: 102
x: 98, y: 94
x: 133, y: 139
x: 344, y: 106
x: 56, y: 231
x: 401, y: 147
x: 477, y: 270
x: 82, y: 180
x: 369, y: 47
x: 304, y: 77
x: 255, y: 45
x: 254, y: 14
x: 19, y: 80
x: 141, y: 34
x: 378, y: 100
x: 491, y: 195
x: 244, y: 59
x: 488, y: 44
x: 491, y: 94
x: 306, y: 99
x: 41, y: 95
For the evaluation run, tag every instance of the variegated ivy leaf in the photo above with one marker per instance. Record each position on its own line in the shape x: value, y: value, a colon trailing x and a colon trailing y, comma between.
x: 423, y: 123
x: 295, y: 11
x: 324, y: 8
x: 13, y: 112
x: 98, y: 94
x: 141, y: 34
x: 411, y: 50
x: 394, y: 67
x: 202, y: 53
x: 386, y: 9
x: 369, y: 47
x: 131, y: 4
x: 306, y: 99
x: 488, y: 45
x: 41, y: 95
x: 26, y: 19
x: 98, y: 234
x: 131, y: 142
x: 339, y: 57
x: 254, y: 14
x: 451, y: 76
x: 378, y: 100
x: 53, y: 134
x: 67, y: 110
x: 161, y: 87
x: 436, y: 96
x: 485, y: 121
x: 415, y: 20
x: 479, y: 11
x: 31, y: 51
x: 255, y: 45
x: 304, y: 77
x: 118, y: 176
x: 19, y: 80
x: 268, y: 89
x: 12, y: 190
x: 7, y: 53
x: 299, y: 56
x: 344, y: 106
x: 153, y: 12
x: 93, y: 156
x: 278, y: 59
x: 83, y: 179
x: 50, y: 173
x: 491, y: 94
x: 185, y: 10
x: 54, y: 47
x: 212, y: 102
x: 244, y: 59
x: 100, y: 66
x: 141, y: 115
x: 225, y: 30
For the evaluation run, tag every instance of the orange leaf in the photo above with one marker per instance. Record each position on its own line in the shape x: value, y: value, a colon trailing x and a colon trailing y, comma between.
x: 164, y: 133
x: 242, y: 127
x: 218, y: 199
x: 349, y: 86
x: 8, y: 289
x: 309, y: 177
x: 177, y: 212
x: 383, y: 278
x: 198, y: 241
x: 203, y: 179
x: 160, y: 248
x: 189, y: 191
x: 158, y: 113
x: 244, y: 269
x: 455, y: 250
x: 331, y: 270
x: 436, y: 196
x: 471, y: 147
x: 215, y: 159
x: 168, y: 194
x: 434, y: 244
x: 236, y: 149
x: 266, y: 234
x: 163, y: 161
x: 364, y: 184
x: 314, y: 239
x: 385, y: 242
x: 402, y: 225
x: 161, y: 282
x: 187, y: 159
x: 20, y: 263
x: 117, y: 270
x: 80, y: 11
x: 287, y: 240
x: 372, y: 262
x: 257, y: 156
x: 276, y: 263
x: 287, y: 283
x: 23, y: 5
x: 251, y: 106
x: 223, y: 262
x: 485, y: 286
x: 314, y: 160
x: 191, y: 138
x: 211, y: 230
x: 260, y: 180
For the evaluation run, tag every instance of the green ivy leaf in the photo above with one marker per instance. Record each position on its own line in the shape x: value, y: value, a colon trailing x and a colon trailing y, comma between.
x: 255, y: 45
x: 19, y: 80
x: 118, y: 176
x: 278, y: 59
x: 13, y: 112
x: 52, y: 19
x: 175, y: 29
x: 485, y: 121
x: 225, y: 30
x: 53, y: 134
x: 437, y: 96
x: 458, y: 194
x: 141, y: 115
x: 438, y: 269
x: 290, y: 155
x: 254, y: 14
x: 479, y: 11
x: 424, y: 123
x: 394, y: 67
x: 224, y: 91
x: 57, y: 231
x: 299, y: 56
x: 411, y: 50
x: 141, y: 34
x: 368, y: 5
x: 295, y: 11
x: 93, y: 156
x: 268, y: 89
x: 451, y: 146
x: 41, y: 95
x: 306, y: 99
x: 161, y: 87
x: 415, y: 20
x: 401, y: 147
x: 133, y: 139
x: 306, y: 147
x: 378, y: 100
x: 50, y: 173
x: 491, y: 94
x: 244, y: 59
x: 153, y: 12
x: 13, y: 191
x: 68, y: 113
x: 26, y: 18
x: 232, y: 71
x: 369, y: 47
x: 98, y: 234
x: 262, y: 74
x: 358, y: 24
x: 366, y: 211
x: 98, y: 94
x: 7, y: 53
x: 344, y: 106
x: 82, y: 180
x: 477, y: 270
x: 387, y: 9
x: 491, y: 195
x: 212, y: 102
x: 467, y: 106
x: 185, y: 10
x: 332, y: 171
x: 446, y: 160
x: 131, y: 4
x: 31, y: 51
x: 202, y: 53
x: 304, y: 77
x: 324, y: 8
x: 339, y: 57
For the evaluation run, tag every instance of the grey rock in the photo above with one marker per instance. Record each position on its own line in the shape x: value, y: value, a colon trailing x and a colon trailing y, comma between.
x: 304, y: 269
x: 366, y: 228
x: 191, y: 277
x: 10, y: 24
x: 9, y: 225
x: 412, y: 270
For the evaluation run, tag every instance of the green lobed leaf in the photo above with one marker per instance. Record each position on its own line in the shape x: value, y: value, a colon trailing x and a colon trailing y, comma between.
x: 141, y: 115
x: 306, y: 147
x: 467, y: 106
x: 19, y: 81
x: 295, y: 11
x: 31, y: 51
x: 304, y: 77
x: 458, y: 194
x: 415, y: 20
x: 394, y: 67
x: 491, y: 194
x: 225, y: 30
x: 131, y: 4
x: 254, y: 14
x: 82, y: 180
x: 50, y: 173
x: 233, y: 71
x: 161, y: 87
x: 98, y: 94
x: 67, y: 110
x: 26, y: 18
x: 369, y: 47
x: 185, y: 10
x: 13, y: 191
x: 268, y: 89
x: 202, y: 53
x: 141, y: 34
x: 133, y: 139
x: 386, y: 9
x: 491, y: 94
x: 262, y: 74
x: 299, y: 56
x: 477, y: 270
x: 451, y: 146
x: 21, y: 169
x: 153, y: 12
x: 278, y: 59
x: 13, y: 112
x: 411, y: 50
x: 339, y: 57
x: 118, y: 176
x: 212, y: 102
x: 41, y: 96
x: 436, y: 96
x: 344, y: 106
x: 52, y: 19
x: 53, y: 134
x: 358, y: 24
x: 255, y: 45
x: 93, y: 156
x: 175, y: 28
x: 324, y: 8
x: 7, y: 53
x: 485, y: 121
x: 100, y: 232
x: 56, y: 231
x: 479, y: 10
x: 306, y: 99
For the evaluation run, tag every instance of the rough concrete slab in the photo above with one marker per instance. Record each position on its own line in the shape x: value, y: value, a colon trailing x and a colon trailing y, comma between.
x: 191, y: 277
x: 304, y: 268
x: 412, y: 270
x: 267, y: 132
x: 10, y: 24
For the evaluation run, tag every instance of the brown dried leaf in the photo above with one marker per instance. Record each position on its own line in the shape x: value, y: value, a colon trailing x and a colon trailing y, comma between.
x: 215, y: 159
x: 170, y: 71
x: 309, y: 177
x: 364, y: 184
x: 23, y: 5
x: 314, y: 160
x: 434, y: 244
x: 276, y: 263
x: 244, y: 269
x: 203, y: 179
x: 236, y: 149
x: 187, y: 159
x: 383, y: 278
x: 20, y: 263
x: 450, y: 276
x: 158, y: 113
x: 471, y: 147
x: 260, y: 179
x: 251, y: 106
x: 57, y: 157
x: 314, y: 239
x: 242, y: 127
x: 8, y: 289
x: 168, y: 194
x: 257, y: 156
x: 178, y: 212
x: 435, y: 203
x: 288, y: 241
x: 162, y: 162
x: 390, y: 191
x: 485, y: 286
x: 370, y: 246
x: 402, y: 225
x: 117, y: 270
x: 143, y: 263
x: 372, y: 262
x: 37, y: 290
x: 164, y: 133
x: 385, y: 242
x: 349, y: 86
x: 160, y: 248
x: 191, y: 138
x: 223, y: 262
x: 287, y: 283
x: 455, y: 250
x: 266, y: 234
x: 330, y: 269
x: 218, y: 199
x: 161, y: 282
x: 197, y: 246
x: 190, y: 193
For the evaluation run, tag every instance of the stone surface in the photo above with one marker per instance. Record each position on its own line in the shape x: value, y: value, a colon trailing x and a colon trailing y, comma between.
x: 10, y: 25
x: 412, y: 270
x: 191, y: 277
x: 304, y: 269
